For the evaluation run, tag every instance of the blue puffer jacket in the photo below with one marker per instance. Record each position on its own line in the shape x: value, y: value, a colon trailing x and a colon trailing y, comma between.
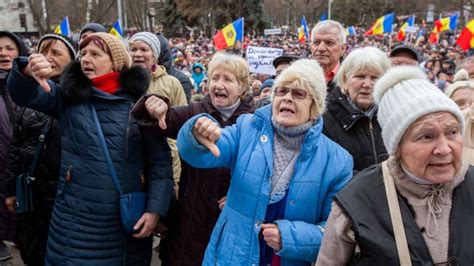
x: 321, y: 170
x: 85, y: 225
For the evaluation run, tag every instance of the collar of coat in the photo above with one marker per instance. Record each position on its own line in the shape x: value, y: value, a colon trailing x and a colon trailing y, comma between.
x: 77, y: 88
x: 263, y: 118
x: 341, y: 109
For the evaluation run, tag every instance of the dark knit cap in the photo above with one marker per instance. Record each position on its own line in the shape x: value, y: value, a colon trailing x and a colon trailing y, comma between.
x: 70, y: 44
x: 95, y: 27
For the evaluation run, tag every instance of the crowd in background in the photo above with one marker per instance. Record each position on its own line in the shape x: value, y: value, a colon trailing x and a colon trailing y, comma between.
x: 236, y: 167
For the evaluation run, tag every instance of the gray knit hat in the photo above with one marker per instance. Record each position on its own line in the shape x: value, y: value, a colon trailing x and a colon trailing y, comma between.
x: 150, y: 39
x: 404, y: 94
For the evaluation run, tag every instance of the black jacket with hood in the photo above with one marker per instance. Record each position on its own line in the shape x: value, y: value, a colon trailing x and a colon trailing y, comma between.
x: 166, y: 60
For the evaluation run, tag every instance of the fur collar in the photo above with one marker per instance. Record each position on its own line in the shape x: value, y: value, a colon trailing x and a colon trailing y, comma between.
x: 77, y: 88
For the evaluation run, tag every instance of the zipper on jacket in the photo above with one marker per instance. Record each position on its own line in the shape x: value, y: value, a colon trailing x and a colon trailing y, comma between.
x: 67, y: 180
x: 127, y: 135
x: 372, y: 138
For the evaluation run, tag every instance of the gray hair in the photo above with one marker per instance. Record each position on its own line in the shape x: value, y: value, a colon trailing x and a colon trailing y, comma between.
x: 462, y: 64
x: 367, y: 58
x: 328, y: 24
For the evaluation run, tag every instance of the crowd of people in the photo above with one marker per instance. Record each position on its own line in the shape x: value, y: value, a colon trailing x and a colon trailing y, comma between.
x: 355, y: 151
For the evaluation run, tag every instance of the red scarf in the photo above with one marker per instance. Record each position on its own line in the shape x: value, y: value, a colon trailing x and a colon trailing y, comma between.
x: 108, y: 83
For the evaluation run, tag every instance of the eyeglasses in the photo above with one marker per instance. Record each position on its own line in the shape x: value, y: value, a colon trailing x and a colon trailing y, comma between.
x: 295, y: 93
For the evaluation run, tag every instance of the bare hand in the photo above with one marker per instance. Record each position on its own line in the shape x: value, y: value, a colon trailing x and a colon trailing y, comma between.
x: 271, y: 235
x: 10, y: 202
x: 158, y: 109
x: 147, y: 223
x: 40, y: 69
x: 222, y: 202
x: 207, y: 132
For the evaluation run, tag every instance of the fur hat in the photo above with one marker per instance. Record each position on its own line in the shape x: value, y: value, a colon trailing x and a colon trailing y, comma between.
x: 116, y: 49
x: 70, y: 44
x: 404, y: 94
x: 461, y: 80
x: 150, y: 39
x: 311, y: 73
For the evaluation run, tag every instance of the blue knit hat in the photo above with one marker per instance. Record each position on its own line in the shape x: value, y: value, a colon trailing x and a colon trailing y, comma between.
x: 267, y: 83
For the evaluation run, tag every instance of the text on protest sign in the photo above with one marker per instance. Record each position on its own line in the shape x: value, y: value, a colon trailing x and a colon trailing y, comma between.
x: 260, y: 59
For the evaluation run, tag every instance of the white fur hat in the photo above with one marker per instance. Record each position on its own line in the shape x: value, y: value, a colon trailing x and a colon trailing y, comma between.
x: 404, y: 94
x: 310, y: 72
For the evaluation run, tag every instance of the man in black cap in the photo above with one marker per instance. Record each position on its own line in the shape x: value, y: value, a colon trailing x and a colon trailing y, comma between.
x: 282, y: 62
x: 405, y: 55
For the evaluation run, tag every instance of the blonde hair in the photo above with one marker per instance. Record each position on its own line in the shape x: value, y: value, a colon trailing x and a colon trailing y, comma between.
x: 368, y: 58
x: 234, y: 64
x: 307, y: 74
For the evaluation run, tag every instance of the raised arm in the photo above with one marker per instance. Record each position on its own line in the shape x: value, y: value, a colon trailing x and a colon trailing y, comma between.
x: 28, y: 86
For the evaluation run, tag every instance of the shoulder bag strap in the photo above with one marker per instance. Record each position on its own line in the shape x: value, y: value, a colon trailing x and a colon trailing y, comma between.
x: 396, y: 217
x: 40, y: 146
x: 106, y: 151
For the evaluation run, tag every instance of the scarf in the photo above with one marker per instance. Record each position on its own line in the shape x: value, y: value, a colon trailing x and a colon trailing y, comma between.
x: 108, y: 83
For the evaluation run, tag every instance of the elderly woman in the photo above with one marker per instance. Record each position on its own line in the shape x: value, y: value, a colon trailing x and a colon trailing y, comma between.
x: 145, y: 49
x: 428, y: 185
x: 32, y: 227
x: 461, y: 91
x: 284, y: 173
x: 351, y: 116
x: 95, y: 95
x: 201, y: 191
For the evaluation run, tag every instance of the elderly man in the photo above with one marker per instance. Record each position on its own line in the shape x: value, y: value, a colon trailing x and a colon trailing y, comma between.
x: 404, y: 55
x: 328, y: 45
x: 283, y: 62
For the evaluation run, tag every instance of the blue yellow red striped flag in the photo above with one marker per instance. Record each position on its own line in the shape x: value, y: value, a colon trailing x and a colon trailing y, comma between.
x: 382, y: 25
x: 229, y: 34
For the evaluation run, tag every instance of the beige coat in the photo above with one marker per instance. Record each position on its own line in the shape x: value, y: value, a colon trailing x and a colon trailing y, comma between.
x: 468, y: 136
x: 168, y: 86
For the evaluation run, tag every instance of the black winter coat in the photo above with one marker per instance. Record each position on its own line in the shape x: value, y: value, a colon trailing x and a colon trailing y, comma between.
x: 165, y: 59
x: 360, y: 135
x: 85, y: 225
x: 192, y: 221
x: 32, y: 227
x: 8, y: 112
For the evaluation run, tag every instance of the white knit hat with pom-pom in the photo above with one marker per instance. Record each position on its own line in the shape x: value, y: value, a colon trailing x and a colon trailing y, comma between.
x: 403, y: 95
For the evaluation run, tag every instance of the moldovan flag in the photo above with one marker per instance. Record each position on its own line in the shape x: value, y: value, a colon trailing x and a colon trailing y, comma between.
x: 382, y: 25
x: 63, y: 28
x: 441, y: 25
x: 116, y: 29
x: 303, y: 33
x: 466, y: 39
x: 229, y: 34
x: 410, y: 22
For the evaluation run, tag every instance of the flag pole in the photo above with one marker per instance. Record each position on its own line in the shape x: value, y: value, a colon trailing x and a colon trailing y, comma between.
x: 243, y: 37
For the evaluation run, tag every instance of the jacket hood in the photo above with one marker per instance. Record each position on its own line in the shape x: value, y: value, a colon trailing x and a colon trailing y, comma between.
x: 23, y: 51
x: 198, y: 65
x: 165, y: 59
x: 77, y: 88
